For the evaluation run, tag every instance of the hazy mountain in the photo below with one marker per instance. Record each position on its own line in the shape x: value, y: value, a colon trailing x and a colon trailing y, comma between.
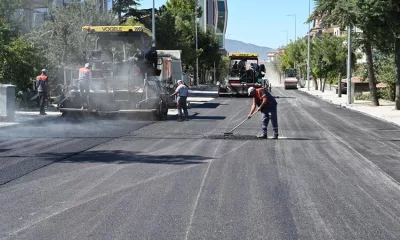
x: 234, y: 46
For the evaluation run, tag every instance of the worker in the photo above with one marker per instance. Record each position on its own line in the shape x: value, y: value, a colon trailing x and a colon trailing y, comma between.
x: 182, y: 91
x: 266, y: 105
x: 41, y: 85
x: 85, y: 80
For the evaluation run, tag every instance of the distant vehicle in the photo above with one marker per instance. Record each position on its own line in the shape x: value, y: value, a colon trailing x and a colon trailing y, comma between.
x: 244, y: 72
x: 291, y: 80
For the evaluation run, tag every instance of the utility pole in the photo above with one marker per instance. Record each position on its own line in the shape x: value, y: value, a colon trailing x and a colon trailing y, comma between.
x: 349, y: 64
x: 153, y: 24
x: 308, y: 54
x: 295, y: 30
x: 197, y: 58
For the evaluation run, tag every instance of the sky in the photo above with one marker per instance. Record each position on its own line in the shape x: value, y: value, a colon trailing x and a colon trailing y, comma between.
x: 262, y: 22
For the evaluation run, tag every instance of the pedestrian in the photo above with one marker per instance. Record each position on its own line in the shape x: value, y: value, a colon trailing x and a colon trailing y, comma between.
x: 85, y: 80
x: 267, y: 105
x: 182, y: 91
x: 41, y: 85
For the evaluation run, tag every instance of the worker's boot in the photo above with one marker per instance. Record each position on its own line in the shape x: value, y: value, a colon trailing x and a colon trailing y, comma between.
x: 276, y: 135
x: 262, y: 135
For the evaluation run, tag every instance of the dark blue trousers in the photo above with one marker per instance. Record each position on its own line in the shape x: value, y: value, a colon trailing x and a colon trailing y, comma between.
x: 267, y: 114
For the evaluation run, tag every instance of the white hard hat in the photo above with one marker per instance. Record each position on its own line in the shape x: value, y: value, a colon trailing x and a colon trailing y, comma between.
x: 87, y: 65
x: 44, y: 70
x: 251, y: 89
x: 179, y: 81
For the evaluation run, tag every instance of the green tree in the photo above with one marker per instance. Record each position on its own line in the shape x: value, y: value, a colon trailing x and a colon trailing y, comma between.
x: 358, y: 13
x: 124, y: 6
x: 61, y: 41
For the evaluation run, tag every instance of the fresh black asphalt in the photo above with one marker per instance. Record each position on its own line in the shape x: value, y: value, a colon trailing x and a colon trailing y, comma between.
x: 333, y: 174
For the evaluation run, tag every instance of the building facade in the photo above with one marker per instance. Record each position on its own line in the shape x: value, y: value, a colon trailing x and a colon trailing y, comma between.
x: 215, y: 16
x: 35, y: 12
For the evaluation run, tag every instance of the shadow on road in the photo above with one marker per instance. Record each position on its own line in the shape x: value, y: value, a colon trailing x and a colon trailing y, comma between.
x: 283, y: 97
x: 126, y: 157
x: 207, y: 105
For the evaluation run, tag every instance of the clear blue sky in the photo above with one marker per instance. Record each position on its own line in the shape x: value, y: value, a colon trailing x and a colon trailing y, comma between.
x: 261, y: 22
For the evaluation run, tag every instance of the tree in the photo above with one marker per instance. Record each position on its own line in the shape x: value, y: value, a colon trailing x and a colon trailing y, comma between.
x: 61, y: 41
x: 124, y: 6
x: 358, y: 13
x: 18, y: 59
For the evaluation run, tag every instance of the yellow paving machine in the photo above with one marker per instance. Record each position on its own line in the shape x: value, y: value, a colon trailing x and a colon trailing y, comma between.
x: 244, y: 72
x: 129, y: 75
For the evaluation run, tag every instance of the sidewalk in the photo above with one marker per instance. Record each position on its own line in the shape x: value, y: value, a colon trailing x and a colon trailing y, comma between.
x: 31, y: 115
x: 384, y: 112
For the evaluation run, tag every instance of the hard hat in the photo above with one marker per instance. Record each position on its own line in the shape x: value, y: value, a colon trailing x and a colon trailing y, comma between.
x: 87, y: 65
x: 179, y: 81
x: 44, y: 70
x: 251, y: 89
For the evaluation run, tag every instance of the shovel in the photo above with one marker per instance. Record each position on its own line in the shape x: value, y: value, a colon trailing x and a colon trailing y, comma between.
x: 230, y: 133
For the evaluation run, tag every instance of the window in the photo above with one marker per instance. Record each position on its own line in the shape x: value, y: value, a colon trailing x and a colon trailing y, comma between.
x: 221, y: 17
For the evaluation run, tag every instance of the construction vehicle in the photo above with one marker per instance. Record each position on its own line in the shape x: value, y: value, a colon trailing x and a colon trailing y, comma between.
x: 291, y: 81
x: 129, y: 75
x: 244, y: 72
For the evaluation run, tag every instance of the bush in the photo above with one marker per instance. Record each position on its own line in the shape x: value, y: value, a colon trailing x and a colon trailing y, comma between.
x: 362, y: 96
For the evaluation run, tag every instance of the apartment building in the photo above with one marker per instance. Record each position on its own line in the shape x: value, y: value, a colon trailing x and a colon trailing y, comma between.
x: 317, y: 30
x: 215, y: 15
x: 35, y: 12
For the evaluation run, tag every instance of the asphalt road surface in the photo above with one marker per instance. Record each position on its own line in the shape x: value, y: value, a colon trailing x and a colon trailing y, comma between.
x: 334, y: 174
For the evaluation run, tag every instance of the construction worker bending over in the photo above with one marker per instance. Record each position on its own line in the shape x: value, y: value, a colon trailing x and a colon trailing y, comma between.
x: 41, y: 85
x: 85, y: 80
x: 266, y: 105
x: 182, y: 91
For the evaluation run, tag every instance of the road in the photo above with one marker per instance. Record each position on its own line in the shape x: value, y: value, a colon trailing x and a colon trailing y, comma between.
x: 334, y: 174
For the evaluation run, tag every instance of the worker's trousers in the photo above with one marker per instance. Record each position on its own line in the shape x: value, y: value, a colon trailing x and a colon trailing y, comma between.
x: 182, y: 105
x: 84, y: 90
x: 42, y: 101
x: 267, y: 114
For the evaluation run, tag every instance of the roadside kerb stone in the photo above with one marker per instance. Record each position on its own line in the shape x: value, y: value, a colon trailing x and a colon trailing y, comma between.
x: 385, y: 112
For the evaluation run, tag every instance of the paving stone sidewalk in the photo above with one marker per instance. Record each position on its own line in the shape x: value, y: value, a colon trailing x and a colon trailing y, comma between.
x: 384, y: 112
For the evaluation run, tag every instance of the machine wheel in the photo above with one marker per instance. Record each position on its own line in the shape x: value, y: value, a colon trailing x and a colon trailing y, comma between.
x: 162, y: 111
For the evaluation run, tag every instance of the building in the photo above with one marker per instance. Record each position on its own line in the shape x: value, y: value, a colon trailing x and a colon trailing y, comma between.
x: 317, y: 30
x: 215, y: 16
x: 35, y: 12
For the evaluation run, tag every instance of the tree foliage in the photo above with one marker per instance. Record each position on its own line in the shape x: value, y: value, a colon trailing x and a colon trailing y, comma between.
x: 379, y: 21
x: 61, y: 40
x: 18, y: 58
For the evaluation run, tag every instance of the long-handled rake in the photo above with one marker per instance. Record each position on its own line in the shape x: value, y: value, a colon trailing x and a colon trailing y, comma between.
x: 230, y: 133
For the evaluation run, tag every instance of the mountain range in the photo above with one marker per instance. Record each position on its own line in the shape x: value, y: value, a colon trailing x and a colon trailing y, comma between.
x: 235, y: 46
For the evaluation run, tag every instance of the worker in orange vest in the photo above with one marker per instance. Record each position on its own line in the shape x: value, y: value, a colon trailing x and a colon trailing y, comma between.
x: 267, y: 105
x: 41, y: 85
x: 85, y: 80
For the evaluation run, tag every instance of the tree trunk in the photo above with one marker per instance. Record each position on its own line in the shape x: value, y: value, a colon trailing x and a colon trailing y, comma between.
x: 320, y: 84
x: 323, y: 85
x: 397, y: 61
x: 371, y: 74
x: 315, y: 83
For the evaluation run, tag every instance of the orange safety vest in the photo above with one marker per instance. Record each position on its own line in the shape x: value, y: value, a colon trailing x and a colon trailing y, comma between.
x: 258, y: 96
x: 41, y: 77
x: 84, y: 73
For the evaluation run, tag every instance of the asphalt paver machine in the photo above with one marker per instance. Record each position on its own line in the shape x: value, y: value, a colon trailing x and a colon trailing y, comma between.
x: 127, y: 74
x: 244, y: 72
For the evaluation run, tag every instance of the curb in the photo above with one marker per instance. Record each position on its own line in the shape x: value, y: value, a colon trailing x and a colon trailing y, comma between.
x: 347, y: 106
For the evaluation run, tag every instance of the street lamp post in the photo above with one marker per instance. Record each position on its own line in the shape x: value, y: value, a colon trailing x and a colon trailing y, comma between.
x: 197, y: 58
x: 349, y: 65
x: 295, y: 30
x: 308, y: 50
x: 153, y: 23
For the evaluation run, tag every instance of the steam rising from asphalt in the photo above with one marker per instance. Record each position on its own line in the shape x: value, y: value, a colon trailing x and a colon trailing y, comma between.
x: 272, y: 75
